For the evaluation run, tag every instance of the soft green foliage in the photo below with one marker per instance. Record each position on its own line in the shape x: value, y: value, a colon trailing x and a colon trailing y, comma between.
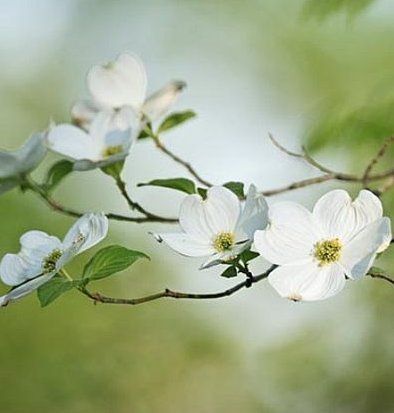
x: 179, y: 184
x: 53, y: 289
x: 175, y: 119
x: 322, y: 9
x: 237, y: 188
x: 110, y: 260
x: 56, y: 173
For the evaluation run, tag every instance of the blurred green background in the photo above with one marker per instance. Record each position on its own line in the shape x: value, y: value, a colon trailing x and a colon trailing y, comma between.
x: 314, y: 72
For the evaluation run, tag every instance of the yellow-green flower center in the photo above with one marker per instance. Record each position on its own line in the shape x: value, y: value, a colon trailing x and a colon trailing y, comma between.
x: 112, y: 150
x: 223, y: 241
x: 328, y: 251
x: 49, y: 262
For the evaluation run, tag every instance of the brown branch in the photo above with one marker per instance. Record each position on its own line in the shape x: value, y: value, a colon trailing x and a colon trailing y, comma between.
x: 177, y: 159
x: 167, y: 293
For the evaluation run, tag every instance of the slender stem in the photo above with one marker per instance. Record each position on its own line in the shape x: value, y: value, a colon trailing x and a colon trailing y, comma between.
x: 382, y: 277
x: 135, y: 205
x: 379, y: 155
x: 328, y: 177
x: 56, y: 206
x: 167, y: 293
x: 177, y: 159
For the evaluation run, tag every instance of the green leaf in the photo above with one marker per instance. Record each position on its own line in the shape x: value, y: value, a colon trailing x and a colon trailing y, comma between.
x: 53, y: 289
x: 202, y: 192
x: 57, y: 172
x: 110, y: 260
x: 237, y: 188
x: 147, y: 132
x: 179, y: 184
x: 114, y: 170
x: 249, y: 255
x: 175, y: 119
x: 230, y: 272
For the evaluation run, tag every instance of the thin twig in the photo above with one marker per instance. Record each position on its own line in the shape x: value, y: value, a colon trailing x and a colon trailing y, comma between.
x: 379, y: 155
x: 99, y: 298
x: 283, y: 149
x: 177, y: 159
x: 327, y: 177
x: 135, y: 205
x: 56, y: 206
x: 382, y: 277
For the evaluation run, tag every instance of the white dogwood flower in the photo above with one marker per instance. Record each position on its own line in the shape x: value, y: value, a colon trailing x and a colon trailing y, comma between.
x: 217, y: 227
x: 15, y: 164
x: 99, y: 147
x: 123, y: 83
x: 42, y: 256
x: 316, y: 250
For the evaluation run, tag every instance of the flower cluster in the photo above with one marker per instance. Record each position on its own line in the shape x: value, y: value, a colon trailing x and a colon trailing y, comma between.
x: 312, y: 253
x: 104, y: 128
x: 315, y: 252
x: 42, y: 256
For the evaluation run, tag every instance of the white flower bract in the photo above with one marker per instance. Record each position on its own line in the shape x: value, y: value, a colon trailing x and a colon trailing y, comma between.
x: 100, y: 146
x: 15, y: 164
x: 123, y: 84
x: 42, y: 255
x: 316, y: 251
x: 217, y: 227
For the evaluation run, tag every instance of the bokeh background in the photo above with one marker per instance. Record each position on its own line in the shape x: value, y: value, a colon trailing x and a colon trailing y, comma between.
x: 313, y: 72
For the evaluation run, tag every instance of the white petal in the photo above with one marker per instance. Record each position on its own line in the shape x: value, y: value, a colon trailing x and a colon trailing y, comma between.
x: 290, y: 235
x: 122, y: 82
x: 13, y: 269
x: 25, y: 289
x: 31, y: 153
x: 160, y: 102
x: 204, y: 219
x: 83, y: 113
x: 342, y: 218
x: 24, y: 159
x: 185, y: 245
x: 254, y: 215
x: 126, y: 118
x: 39, y: 243
x: 359, y: 253
x: 88, y: 231
x: 72, y: 142
x: 307, y: 282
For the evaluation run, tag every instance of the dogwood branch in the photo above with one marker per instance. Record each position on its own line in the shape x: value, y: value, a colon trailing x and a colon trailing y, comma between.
x: 177, y: 159
x: 167, y: 293
x: 135, y: 205
x: 56, y: 206
x: 379, y: 155
x: 329, y: 174
x: 378, y: 274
